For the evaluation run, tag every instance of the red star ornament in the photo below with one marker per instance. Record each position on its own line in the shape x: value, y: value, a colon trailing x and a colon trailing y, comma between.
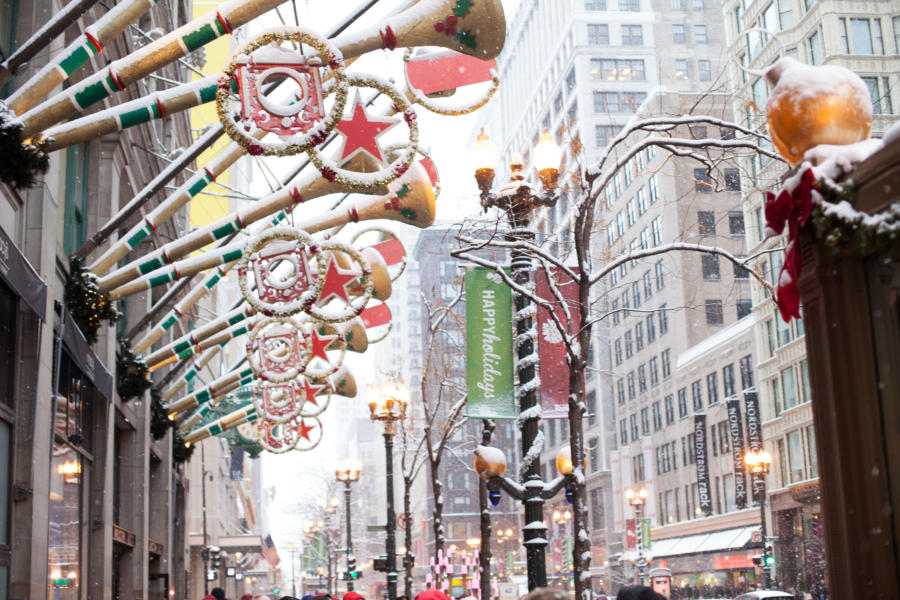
x: 361, y: 132
x: 305, y: 429
x: 336, y: 282
x: 310, y: 390
x: 318, y: 344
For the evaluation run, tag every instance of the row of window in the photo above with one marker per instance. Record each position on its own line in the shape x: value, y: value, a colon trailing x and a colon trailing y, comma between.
x: 624, y: 301
x: 634, y: 5
x: 790, y: 387
x: 683, y: 69
x: 745, y: 365
x: 635, y: 343
x: 704, y: 183
x: 616, y: 102
x: 710, y: 268
x: 653, y: 367
x: 681, y: 33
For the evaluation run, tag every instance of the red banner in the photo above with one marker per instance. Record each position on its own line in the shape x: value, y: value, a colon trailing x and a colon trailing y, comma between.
x: 630, y: 534
x: 553, y: 369
x: 733, y: 561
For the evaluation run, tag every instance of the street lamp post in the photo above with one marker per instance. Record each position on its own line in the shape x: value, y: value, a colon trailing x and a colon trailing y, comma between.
x: 758, y: 462
x: 347, y: 472
x: 517, y: 199
x: 637, y: 498
x: 392, y: 408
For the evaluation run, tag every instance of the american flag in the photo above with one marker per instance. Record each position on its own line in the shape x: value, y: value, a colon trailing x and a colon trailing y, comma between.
x: 269, y: 552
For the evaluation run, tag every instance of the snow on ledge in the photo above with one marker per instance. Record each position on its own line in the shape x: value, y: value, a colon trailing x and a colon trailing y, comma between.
x: 720, y: 338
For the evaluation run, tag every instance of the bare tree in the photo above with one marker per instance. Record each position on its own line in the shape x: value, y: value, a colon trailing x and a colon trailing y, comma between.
x: 574, y: 321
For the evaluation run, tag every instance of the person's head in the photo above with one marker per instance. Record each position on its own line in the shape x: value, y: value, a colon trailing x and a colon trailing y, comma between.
x: 217, y: 593
x: 247, y: 597
x: 432, y: 595
x: 354, y: 596
x: 545, y: 593
x: 638, y: 592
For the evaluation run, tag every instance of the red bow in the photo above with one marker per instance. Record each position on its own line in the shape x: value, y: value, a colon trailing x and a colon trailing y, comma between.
x: 791, y: 208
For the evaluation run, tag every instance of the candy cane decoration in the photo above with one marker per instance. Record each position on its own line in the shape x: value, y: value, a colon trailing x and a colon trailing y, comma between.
x: 194, y: 337
x: 246, y: 414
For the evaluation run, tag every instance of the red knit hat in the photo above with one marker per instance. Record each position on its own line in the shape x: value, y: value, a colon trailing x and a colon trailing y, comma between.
x: 353, y: 596
x: 432, y: 595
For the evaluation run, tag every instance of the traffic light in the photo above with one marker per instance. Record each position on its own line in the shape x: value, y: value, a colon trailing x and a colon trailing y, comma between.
x: 274, y: 590
x: 758, y: 560
x: 770, y: 555
x: 355, y: 574
x: 494, y: 497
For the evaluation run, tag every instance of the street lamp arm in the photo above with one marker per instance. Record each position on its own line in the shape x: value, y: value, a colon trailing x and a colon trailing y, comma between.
x: 553, y: 487
x: 511, y: 487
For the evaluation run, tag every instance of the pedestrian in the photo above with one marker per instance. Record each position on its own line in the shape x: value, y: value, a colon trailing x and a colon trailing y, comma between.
x: 432, y: 595
x: 247, y: 597
x: 355, y: 596
x: 638, y: 592
x: 217, y: 593
x: 545, y: 593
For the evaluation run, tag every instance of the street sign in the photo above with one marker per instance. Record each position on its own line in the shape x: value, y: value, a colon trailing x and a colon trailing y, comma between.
x: 401, y: 521
x: 756, y: 536
x: 376, y: 527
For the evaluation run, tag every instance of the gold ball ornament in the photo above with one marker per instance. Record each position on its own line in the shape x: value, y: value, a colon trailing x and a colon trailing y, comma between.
x: 487, y: 463
x: 813, y: 105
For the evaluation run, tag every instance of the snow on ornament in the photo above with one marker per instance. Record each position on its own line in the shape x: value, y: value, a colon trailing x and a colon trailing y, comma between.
x: 277, y: 350
x: 301, y: 433
x: 278, y: 402
x: 813, y: 105
x: 551, y: 333
x: 344, y: 288
x: 489, y: 462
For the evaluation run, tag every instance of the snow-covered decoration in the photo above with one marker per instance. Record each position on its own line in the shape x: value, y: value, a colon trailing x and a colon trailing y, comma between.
x: 449, y: 109
x: 343, y: 293
x: 21, y: 163
x: 277, y: 402
x: 300, y: 433
x: 390, y: 247
x: 360, y: 131
x: 279, y: 260
x: 821, y: 191
x: 317, y: 345
x: 551, y: 333
x: 813, y: 105
x: 489, y: 462
x: 298, y: 125
x: 533, y: 454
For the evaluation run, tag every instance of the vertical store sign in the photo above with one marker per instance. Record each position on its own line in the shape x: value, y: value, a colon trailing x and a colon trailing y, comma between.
x: 754, y: 439
x: 489, y: 346
x: 554, y: 368
x: 705, y: 498
x: 736, y: 431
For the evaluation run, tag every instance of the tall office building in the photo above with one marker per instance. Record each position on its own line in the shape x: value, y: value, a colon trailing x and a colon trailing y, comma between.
x: 862, y: 36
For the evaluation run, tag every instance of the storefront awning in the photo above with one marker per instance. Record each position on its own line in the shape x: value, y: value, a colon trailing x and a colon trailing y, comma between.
x: 84, y: 357
x: 21, y: 276
x: 727, y: 539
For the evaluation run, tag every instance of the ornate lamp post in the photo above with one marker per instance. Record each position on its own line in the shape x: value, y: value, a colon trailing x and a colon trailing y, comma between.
x: 637, y: 498
x: 758, y: 462
x: 347, y: 472
x: 389, y: 406
x: 517, y: 199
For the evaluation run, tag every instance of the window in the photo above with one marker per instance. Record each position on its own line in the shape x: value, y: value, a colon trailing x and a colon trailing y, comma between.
x: 697, y: 4
x: 654, y: 371
x: 682, y: 403
x: 697, y: 395
x: 712, y: 387
x: 626, y: 303
x: 670, y: 409
x: 704, y: 70
x: 648, y: 284
x: 598, y: 34
x: 678, y: 35
x: 795, y: 455
x: 637, y: 463
x: 746, y: 365
x: 681, y: 68
x: 558, y: 103
x: 865, y: 36
x: 630, y: 5
x: 642, y: 379
x: 634, y: 426
x: 660, y: 275
x: 710, y: 267
x: 632, y: 213
x: 743, y: 306
x: 656, y: 225
x: 597, y: 509
x: 620, y: 223
x: 700, y: 34
x: 786, y: 13
x: 623, y: 432
x: 570, y: 81
x: 603, y: 134
x: 654, y: 189
x: 645, y: 238
x: 76, y: 197
x: 676, y: 4
x: 706, y: 221
x: 895, y: 21
x: 631, y: 388
x: 714, y: 315
x: 620, y: 390
x: 651, y: 328
x: 804, y: 382
x: 735, y: 220
x: 788, y: 388
x: 740, y: 272
x: 592, y: 407
x: 616, y: 316
x: 703, y: 181
x: 728, y: 380
x: 639, y: 336
x: 606, y: 102
x: 645, y: 421
x: 666, y: 363
x: 636, y: 293
x: 733, y: 181
x: 618, y: 69
x: 617, y: 183
x: 815, y: 48
x: 632, y: 35
x: 657, y: 417
x: 594, y: 4
x: 663, y: 320
x: 642, y: 200
x: 813, y: 455
x: 594, y: 455
x: 618, y: 346
x: 880, y: 94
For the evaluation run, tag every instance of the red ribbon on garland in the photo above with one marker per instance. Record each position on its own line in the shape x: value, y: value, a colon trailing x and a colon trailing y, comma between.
x: 792, y: 208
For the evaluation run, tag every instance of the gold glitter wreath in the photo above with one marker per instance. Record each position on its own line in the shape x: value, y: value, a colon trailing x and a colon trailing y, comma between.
x: 252, y: 346
x: 420, y: 98
x: 330, y: 57
x: 357, y: 305
x: 332, y: 172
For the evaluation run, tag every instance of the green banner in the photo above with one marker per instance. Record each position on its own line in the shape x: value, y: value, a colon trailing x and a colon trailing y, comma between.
x: 646, y: 543
x: 489, y: 346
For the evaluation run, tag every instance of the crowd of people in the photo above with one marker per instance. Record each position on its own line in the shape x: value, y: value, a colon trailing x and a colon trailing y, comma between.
x: 634, y: 592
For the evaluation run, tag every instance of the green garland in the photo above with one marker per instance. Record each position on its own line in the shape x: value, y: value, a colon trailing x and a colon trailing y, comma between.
x: 132, y: 374
x: 181, y: 452
x: 834, y: 230
x: 21, y: 163
x: 85, y: 302
x: 159, y: 418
